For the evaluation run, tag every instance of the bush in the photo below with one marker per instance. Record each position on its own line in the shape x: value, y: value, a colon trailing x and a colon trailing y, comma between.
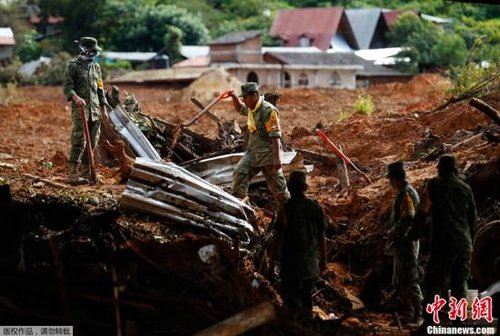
x: 8, y: 93
x: 53, y: 73
x: 8, y: 73
x: 30, y: 49
x: 364, y: 105
x: 343, y: 116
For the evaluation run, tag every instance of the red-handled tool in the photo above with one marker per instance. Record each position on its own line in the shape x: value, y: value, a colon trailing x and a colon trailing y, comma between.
x: 90, y: 150
x: 339, y: 153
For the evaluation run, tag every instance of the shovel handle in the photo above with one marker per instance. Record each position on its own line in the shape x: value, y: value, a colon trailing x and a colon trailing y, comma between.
x: 208, y: 107
x: 88, y: 146
x: 339, y: 153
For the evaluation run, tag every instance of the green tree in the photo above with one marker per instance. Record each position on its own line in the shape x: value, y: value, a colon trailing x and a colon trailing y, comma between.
x: 449, y: 50
x: 30, y: 49
x: 145, y: 28
x: 173, y: 43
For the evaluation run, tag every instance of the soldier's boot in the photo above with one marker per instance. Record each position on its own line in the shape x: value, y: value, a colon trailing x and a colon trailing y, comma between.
x: 417, y: 320
x: 73, y: 176
x: 85, y: 173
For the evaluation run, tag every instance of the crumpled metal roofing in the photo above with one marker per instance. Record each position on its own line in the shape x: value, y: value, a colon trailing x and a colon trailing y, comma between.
x: 167, y: 190
x: 219, y: 170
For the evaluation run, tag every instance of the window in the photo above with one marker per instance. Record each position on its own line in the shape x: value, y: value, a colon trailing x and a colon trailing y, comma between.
x: 287, y: 81
x: 305, y: 41
x: 303, y: 79
x: 252, y: 77
x: 335, y: 79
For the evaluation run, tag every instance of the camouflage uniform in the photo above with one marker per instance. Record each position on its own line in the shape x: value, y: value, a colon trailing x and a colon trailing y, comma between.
x: 84, y: 79
x: 303, y: 225
x: 453, y: 215
x: 405, y: 259
x: 263, y: 125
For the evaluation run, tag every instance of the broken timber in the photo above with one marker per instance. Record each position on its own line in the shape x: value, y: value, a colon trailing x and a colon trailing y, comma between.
x: 219, y: 170
x: 170, y: 191
x: 242, y: 322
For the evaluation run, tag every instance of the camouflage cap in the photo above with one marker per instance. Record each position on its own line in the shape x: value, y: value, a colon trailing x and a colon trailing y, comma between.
x: 89, y: 43
x: 396, y: 169
x: 249, y: 88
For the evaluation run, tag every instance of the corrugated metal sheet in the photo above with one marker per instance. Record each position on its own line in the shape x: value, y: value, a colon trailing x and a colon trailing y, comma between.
x: 170, y: 191
x: 219, y: 170
x: 318, y: 24
x: 132, y: 134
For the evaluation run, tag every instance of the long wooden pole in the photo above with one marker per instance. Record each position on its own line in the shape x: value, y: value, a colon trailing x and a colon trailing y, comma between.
x: 90, y: 150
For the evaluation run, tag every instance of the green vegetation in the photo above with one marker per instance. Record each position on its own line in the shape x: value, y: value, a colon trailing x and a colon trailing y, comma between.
x: 8, y: 93
x: 364, y: 105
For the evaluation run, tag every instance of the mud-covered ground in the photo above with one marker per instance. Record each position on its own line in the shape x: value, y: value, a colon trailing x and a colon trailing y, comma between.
x: 34, y: 139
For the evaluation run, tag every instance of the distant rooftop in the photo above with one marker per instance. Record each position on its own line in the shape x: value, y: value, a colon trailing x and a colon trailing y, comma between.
x: 317, y: 24
x: 364, y: 23
x: 236, y: 37
x: 7, y: 36
x: 190, y: 51
x: 170, y: 75
x: 129, y: 56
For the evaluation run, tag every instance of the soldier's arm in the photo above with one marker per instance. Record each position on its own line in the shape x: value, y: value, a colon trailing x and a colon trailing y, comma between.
x: 238, y: 104
x: 274, y: 131
x: 407, y: 213
x: 471, y: 214
x: 69, y: 85
x: 100, y: 89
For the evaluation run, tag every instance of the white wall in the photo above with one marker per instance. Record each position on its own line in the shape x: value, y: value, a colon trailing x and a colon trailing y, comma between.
x: 316, y: 78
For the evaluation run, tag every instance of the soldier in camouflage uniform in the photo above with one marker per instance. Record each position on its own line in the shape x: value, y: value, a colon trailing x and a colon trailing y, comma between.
x: 83, y: 86
x: 263, y: 150
x: 404, y: 248
x: 450, y: 203
x: 301, y: 233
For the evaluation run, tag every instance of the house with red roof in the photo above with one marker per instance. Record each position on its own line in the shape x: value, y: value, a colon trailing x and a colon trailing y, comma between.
x: 7, y: 44
x: 324, y: 28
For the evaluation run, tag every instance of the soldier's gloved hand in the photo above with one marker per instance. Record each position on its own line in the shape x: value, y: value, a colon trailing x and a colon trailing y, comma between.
x: 79, y: 101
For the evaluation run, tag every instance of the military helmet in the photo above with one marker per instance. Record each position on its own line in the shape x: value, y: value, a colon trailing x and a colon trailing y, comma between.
x: 89, y: 43
x: 249, y: 88
x: 396, y: 169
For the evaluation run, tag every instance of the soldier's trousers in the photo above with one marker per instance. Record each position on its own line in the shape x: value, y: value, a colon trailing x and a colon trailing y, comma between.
x: 447, y: 268
x: 78, y: 152
x: 244, y: 172
x: 405, y: 276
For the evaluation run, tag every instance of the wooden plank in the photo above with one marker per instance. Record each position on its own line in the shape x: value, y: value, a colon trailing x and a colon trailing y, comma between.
x: 242, y: 322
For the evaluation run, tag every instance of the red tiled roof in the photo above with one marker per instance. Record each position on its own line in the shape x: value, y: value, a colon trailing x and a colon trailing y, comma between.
x: 197, y: 61
x: 7, y: 40
x: 391, y: 16
x: 318, y: 24
x: 35, y: 19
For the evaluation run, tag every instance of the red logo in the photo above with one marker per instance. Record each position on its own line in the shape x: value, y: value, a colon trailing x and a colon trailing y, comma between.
x: 481, y: 308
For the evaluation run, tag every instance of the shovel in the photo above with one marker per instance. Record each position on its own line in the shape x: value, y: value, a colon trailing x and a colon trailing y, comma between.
x: 90, y: 151
x: 178, y: 129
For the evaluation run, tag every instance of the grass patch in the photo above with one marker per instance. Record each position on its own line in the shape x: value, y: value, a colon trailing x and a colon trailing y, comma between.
x: 364, y: 105
x: 8, y: 93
